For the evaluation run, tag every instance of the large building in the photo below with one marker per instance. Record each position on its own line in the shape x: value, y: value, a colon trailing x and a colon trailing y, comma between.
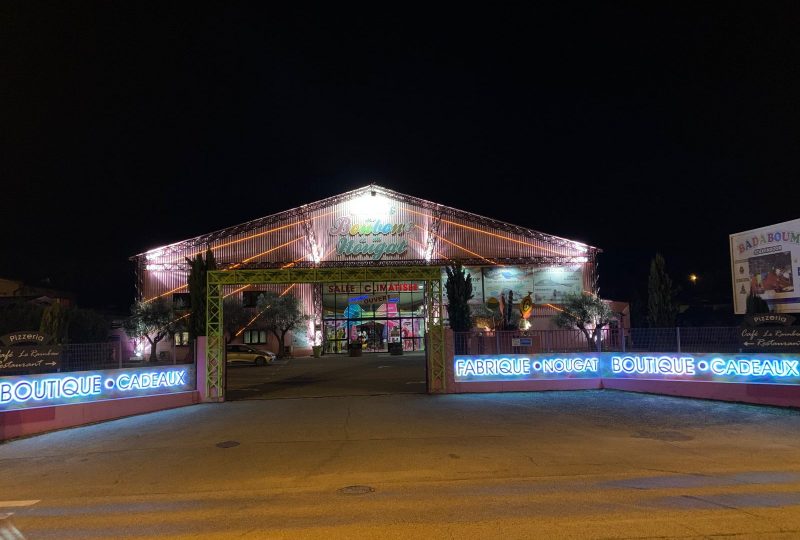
x: 374, y: 226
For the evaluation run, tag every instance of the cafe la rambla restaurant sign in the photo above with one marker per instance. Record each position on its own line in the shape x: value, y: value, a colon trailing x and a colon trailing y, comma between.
x: 665, y: 366
x: 44, y: 390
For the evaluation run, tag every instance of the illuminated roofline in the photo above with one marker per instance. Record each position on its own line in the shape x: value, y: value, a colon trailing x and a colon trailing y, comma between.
x: 206, y: 240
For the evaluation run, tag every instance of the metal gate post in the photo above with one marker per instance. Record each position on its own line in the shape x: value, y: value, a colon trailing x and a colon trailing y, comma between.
x: 215, y: 342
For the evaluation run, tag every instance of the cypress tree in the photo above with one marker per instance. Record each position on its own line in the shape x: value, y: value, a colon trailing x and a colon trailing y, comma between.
x: 459, y: 291
x: 198, y: 280
x: 662, y: 309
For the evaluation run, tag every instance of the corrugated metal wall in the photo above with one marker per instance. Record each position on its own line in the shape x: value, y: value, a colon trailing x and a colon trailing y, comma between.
x: 285, y: 242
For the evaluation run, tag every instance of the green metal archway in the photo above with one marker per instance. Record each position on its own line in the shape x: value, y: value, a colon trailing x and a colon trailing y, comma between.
x: 215, y: 344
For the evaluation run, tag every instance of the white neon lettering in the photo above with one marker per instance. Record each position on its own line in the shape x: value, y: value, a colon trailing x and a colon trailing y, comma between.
x: 488, y: 367
x: 42, y: 389
x: 652, y: 365
x: 569, y: 365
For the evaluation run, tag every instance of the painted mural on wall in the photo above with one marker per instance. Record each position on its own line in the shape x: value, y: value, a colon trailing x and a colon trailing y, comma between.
x: 547, y: 285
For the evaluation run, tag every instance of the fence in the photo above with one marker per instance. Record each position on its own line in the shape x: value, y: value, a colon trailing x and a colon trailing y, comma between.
x: 96, y: 356
x: 686, y: 339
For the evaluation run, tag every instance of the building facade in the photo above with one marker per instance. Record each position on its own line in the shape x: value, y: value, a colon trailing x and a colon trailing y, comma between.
x: 376, y: 226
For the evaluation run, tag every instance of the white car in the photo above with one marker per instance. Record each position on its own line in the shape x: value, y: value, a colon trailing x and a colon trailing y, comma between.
x: 245, y: 354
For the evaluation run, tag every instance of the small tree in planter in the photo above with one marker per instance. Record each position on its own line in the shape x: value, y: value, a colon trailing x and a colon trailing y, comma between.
x: 585, y: 312
x: 280, y: 314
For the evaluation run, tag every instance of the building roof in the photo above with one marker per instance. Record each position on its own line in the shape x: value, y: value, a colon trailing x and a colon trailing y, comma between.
x: 441, y: 210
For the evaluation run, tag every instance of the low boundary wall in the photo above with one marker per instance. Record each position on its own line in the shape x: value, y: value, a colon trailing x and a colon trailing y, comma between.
x: 22, y: 422
x: 38, y: 403
x: 762, y: 379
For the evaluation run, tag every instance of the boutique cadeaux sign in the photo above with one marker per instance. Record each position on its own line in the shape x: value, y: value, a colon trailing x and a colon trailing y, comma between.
x: 721, y: 368
x: 372, y: 238
x: 84, y: 386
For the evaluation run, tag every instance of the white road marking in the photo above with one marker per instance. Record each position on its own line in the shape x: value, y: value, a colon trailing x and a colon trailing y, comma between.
x: 17, y: 504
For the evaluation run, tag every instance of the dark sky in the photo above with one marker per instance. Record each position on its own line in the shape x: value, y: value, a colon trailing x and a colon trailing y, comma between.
x: 634, y: 128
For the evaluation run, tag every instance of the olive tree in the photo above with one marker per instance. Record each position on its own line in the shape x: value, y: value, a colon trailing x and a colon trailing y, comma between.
x: 586, y: 312
x: 279, y: 315
x: 153, y: 321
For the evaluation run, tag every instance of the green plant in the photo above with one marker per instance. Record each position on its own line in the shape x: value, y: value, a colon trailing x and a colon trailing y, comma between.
x: 459, y: 292
x: 55, y: 322
x: 197, y: 283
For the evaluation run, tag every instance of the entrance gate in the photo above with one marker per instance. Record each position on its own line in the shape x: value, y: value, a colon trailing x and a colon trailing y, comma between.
x: 215, y: 340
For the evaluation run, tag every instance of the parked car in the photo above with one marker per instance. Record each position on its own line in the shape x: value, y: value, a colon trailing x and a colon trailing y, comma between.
x: 245, y: 354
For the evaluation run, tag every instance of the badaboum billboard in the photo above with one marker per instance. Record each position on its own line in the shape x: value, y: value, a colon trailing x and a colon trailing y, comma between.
x: 766, y: 262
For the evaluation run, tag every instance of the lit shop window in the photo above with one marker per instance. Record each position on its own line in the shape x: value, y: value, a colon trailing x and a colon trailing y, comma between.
x: 255, y: 336
x: 182, y: 338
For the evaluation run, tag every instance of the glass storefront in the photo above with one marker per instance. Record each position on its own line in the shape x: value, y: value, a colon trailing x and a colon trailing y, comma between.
x: 374, y: 314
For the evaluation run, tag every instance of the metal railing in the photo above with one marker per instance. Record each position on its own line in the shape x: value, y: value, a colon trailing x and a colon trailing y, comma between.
x: 97, y: 356
x: 685, y: 339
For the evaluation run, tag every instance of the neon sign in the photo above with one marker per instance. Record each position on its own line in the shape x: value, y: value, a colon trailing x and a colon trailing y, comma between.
x: 724, y: 368
x: 515, y: 367
x: 79, y: 387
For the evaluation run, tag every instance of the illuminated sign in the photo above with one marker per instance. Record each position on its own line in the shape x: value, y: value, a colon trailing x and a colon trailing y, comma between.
x: 366, y: 300
x: 517, y: 367
x: 83, y: 386
x: 783, y: 338
x: 723, y: 368
x: 764, y: 262
x: 373, y: 238
x: 369, y: 287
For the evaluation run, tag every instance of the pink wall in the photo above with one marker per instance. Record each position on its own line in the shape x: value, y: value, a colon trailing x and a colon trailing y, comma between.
x: 761, y: 394
x: 22, y: 422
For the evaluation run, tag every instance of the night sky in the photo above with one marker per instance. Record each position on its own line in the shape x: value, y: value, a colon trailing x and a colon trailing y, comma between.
x: 636, y: 129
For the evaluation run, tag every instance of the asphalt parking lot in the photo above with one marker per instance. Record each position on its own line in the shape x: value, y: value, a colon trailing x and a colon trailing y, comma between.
x: 329, y: 376
x: 585, y: 464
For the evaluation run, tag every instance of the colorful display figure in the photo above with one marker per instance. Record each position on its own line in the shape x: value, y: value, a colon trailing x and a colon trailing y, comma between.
x: 526, y: 306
